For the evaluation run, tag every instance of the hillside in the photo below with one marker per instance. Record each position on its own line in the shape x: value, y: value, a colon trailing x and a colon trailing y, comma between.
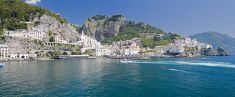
x: 217, y: 40
x: 18, y: 17
x: 115, y: 28
x: 14, y: 14
x: 30, y: 27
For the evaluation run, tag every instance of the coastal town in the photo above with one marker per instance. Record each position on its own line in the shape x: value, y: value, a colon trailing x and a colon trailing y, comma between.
x: 89, y: 46
x: 46, y: 37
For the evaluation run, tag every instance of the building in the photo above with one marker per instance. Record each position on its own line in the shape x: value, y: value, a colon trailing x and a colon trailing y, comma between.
x: 103, y: 51
x: 133, y: 49
x: 32, y: 33
x: 24, y: 56
x: 88, y: 43
x: 187, y: 42
x: 59, y: 39
x: 3, y: 51
x: 13, y: 56
x: 173, y: 49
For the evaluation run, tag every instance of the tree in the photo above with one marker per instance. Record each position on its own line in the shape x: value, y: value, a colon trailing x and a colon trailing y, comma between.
x: 89, y: 52
x: 147, y: 42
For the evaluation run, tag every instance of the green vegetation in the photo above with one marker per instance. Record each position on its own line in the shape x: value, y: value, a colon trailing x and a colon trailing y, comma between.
x: 89, y: 52
x: 77, y: 51
x: 2, y: 38
x: 115, y: 17
x: 159, y: 41
x: 55, y: 54
x: 147, y: 42
x: 14, y: 14
x: 99, y: 17
x: 51, y: 36
x: 57, y: 16
x: 132, y: 30
x: 38, y: 42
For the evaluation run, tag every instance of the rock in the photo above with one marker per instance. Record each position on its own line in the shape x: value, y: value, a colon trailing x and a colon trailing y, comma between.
x: 65, y: 30
x: 222, y: 52
x: 46, y: 24
x: 101, y: 26
x: 214, y: 52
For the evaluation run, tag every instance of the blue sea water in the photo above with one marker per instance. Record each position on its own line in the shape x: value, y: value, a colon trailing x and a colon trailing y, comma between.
x: 188, y: 77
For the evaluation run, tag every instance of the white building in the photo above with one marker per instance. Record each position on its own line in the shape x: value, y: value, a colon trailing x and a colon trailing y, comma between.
x: 88, y: 43
x: 173, y: 49
x: 23, y: 56
x: 33, y: 33
x: 59, y: 39
x: 3, y: 51
x: 133, y: 49
x: 103, y: 51
x: 13, y: 56
x: 187, y: 42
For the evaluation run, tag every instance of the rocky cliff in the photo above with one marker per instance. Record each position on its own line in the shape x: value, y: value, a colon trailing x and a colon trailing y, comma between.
x: 101, y: 26
x: 64, y: 30
x: 115, y: 28
x: 17, y: 16
x: 47, y: 25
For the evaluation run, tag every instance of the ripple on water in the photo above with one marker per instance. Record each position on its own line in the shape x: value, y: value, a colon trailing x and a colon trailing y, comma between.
x: 101, y: 78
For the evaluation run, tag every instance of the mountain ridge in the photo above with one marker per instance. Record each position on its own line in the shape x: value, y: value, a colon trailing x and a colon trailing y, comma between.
x: 216, y: 39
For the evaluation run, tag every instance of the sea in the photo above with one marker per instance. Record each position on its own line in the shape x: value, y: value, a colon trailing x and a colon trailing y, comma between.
x: 165, y: 77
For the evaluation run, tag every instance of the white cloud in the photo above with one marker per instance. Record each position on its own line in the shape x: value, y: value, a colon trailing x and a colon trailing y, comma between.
x: 32, y: 1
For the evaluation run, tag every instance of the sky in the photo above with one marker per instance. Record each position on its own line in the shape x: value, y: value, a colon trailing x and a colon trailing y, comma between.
x: 185, y: 17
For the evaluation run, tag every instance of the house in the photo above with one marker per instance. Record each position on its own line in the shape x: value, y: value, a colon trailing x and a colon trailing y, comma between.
x: 173, y: 49
x: 133, y: 49
x: 59, y: 39
x: 103, y: 51
x: 3, y: 51
x: 32, y: 33
x: 87, y: 43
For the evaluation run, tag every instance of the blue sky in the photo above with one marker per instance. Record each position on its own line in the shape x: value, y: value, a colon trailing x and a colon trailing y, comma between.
x: 185, y: 17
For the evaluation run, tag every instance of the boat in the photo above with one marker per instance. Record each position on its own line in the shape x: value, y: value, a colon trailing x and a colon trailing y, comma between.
x: 2, y: 65
x: 161, y: 56
x: 203, y: 58
x: 126, y: 61
x: 92, y: 57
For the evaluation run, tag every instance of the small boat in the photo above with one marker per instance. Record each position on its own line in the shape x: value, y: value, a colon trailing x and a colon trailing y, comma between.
x: 2, y: 65
x: 204, y: 58
x: 126, y: 61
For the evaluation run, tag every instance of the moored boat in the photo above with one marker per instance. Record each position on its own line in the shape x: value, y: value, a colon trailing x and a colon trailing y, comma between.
x: 2, y: 65
x: 126, y: 61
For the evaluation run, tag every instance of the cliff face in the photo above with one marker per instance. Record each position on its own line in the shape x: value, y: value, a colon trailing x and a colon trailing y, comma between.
x: 64, y: 30
x: 49, y: 26
x: 101, y: 26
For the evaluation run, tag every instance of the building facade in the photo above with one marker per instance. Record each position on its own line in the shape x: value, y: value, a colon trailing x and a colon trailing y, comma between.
x: 3, y: 51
